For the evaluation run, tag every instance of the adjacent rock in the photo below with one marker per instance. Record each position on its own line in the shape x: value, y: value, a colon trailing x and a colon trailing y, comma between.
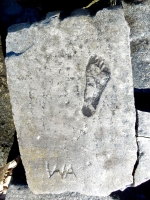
x: 72, y: 96
x: 143, y: 124
x: 7, y: 128
x: 142, y: 173
x: 138, y: 17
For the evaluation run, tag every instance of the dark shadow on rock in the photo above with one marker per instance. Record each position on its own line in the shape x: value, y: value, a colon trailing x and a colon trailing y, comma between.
x: 142, y: 99
x: 14, y: 152
x: 19, y: 176
x: 3, y: 33
x: 45, y: 6
x: 135, y: 2
x: 141, y: 192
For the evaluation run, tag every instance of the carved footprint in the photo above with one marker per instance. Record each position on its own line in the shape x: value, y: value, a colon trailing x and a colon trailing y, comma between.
x: 97, y: 77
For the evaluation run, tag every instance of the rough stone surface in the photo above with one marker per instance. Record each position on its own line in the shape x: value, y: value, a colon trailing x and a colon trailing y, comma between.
x: 142, y: 173
x: 22, y: 192
x: 72, y: 96
x: 7, y: 128
x: 18, y: 192
x: 143, y: 124
x: 138, y: 17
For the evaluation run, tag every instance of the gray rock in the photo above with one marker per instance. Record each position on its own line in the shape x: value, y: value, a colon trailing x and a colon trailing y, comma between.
x: 138, y: 17
x: 142, y: 173
x: 72, y: 97
x: 7, y: 128
x: 143, y: 124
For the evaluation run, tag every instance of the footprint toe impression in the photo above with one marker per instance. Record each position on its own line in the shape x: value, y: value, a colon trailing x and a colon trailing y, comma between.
x: 97, y: 77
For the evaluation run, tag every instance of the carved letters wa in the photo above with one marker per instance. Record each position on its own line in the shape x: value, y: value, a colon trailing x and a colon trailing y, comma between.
x: 63, y: 172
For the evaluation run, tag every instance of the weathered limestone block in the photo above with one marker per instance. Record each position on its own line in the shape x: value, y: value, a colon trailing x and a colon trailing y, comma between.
x: 142, y: 172
x: 7, y: 128
x: 138, y: 17
x: 72, y: 96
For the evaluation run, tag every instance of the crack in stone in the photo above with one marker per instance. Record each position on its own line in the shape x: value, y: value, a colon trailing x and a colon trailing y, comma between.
x: 142, y: 136
x: 137, y: 161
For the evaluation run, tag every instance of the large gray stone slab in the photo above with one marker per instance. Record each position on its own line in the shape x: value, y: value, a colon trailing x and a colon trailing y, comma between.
x: 72, y: 98
x: 138, y: 17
